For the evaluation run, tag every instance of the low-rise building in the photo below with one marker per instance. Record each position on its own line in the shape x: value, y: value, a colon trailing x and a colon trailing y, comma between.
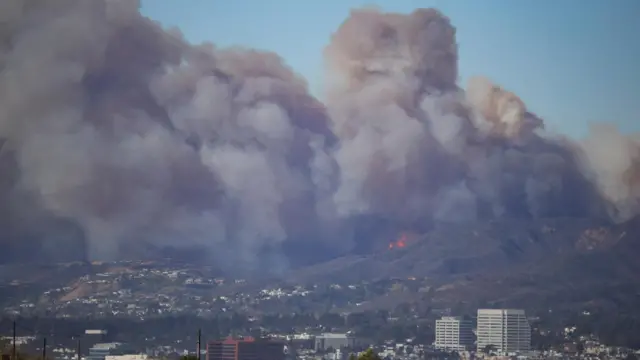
x: 246, y: 349
x: 102, y: 350
x: 334, y: 341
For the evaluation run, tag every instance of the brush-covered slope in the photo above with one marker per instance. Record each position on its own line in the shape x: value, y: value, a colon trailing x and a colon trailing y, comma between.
x: 510, y: 261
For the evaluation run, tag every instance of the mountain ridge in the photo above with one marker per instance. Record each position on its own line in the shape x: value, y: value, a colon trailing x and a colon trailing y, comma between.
x: 543, y: 262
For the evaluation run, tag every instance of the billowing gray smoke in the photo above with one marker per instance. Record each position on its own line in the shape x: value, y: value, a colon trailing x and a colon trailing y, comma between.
x: 118, y: 136
x: 414, y: 146
x: 139, y: 138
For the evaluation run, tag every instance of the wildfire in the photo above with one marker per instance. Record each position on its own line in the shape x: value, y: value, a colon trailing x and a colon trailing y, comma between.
x: 400, y: 243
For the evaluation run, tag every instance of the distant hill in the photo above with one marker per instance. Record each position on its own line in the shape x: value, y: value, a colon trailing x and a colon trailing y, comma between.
x: 544, y: 262
x: 510, y: 261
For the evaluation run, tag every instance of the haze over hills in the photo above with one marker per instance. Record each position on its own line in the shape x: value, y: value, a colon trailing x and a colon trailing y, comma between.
x: 554, y: 262
x: 547, y: 264
x: 121, y: 140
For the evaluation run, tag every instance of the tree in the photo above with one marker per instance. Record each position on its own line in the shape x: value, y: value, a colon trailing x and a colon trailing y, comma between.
x: 489, y: 349
x: 189, y: 357
x: 369, y: 355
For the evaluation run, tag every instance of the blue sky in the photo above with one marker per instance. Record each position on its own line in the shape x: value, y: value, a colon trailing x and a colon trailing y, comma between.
x: 572, y: 61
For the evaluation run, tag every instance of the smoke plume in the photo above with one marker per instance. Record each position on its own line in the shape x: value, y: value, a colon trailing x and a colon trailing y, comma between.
x: 119, y: 136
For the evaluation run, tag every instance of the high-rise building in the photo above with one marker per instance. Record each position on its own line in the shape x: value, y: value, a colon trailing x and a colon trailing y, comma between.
x: 245, y: 349
x: 504, y: 330
x: 334, y: 341
x: 454, y: 334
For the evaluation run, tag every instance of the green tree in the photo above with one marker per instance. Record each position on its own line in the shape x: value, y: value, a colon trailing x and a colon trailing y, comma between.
x: 369, y: 355
x: 189, y: 357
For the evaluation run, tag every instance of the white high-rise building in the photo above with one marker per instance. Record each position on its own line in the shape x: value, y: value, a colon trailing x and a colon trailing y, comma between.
x: 454, y: 334
x: 507, y: 330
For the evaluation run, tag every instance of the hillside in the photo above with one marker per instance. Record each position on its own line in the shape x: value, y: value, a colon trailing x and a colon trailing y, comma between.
x: 528, y: 263
x: 477, y: 248
x: 540, y: 262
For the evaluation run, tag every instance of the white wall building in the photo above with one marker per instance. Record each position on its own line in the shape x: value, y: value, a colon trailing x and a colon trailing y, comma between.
x: 334, y: 341
x: 454, y: 334
x: 102, y: 350
x: 127, y: 357
x: 507, y: 330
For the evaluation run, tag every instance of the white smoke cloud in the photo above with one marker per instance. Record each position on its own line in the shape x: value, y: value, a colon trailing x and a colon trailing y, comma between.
x: 612, y: 161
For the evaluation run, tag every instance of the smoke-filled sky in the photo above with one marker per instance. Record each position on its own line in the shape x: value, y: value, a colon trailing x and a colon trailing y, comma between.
x: 580, y: 56
x: 120, y: 137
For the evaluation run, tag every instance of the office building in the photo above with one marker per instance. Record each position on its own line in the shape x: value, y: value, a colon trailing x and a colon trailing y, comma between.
x: 101, y: 351
x: 92, y: 337
x: 334, y: 341
x: 245, y: 349
x: 504, y: 330
x: 454, y: 334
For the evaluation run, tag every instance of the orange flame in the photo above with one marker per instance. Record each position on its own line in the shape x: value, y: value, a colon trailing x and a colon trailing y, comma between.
x: 400, y: 243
